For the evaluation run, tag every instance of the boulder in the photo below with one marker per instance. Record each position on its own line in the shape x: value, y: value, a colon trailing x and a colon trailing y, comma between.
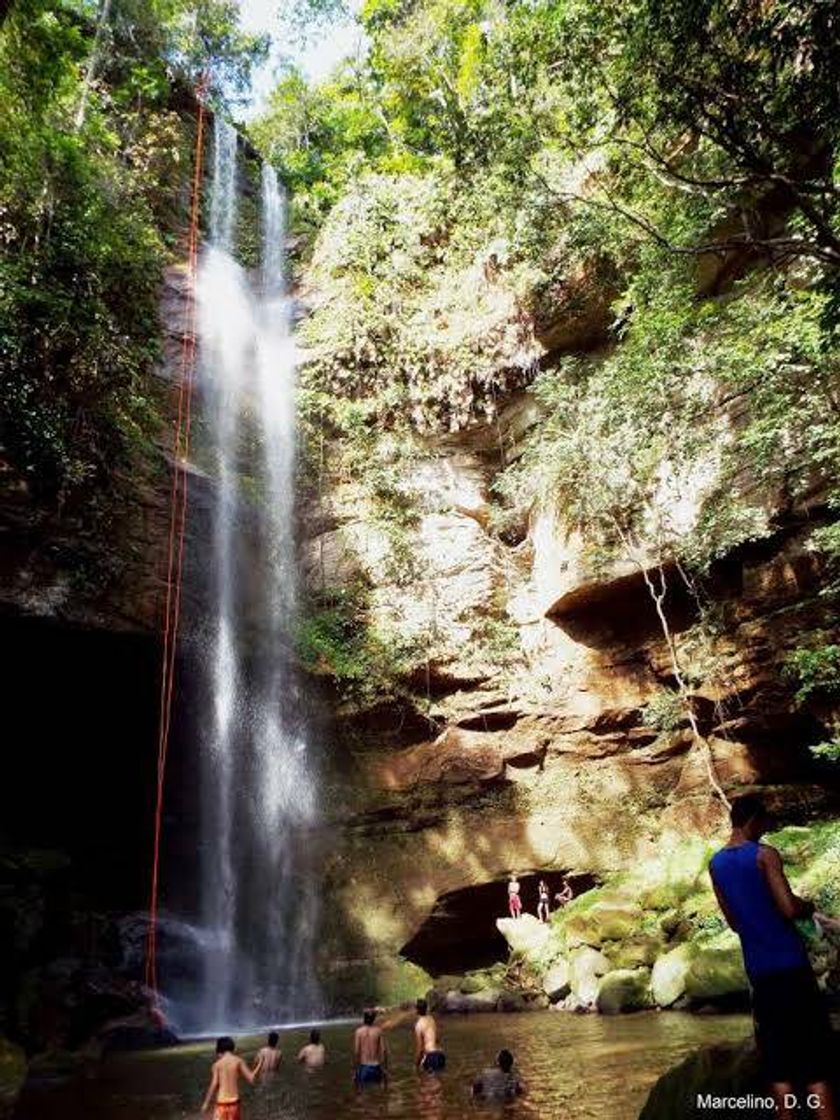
x: 586, y: 967
x: 520, y: 1001
x: 455, y: 1002
x: 716, y: 969
x: 603, y: 921
x: 12, y: 1076
x: 527, y: 935
x: 729, y: 1073
x: 144, y: 1030
x: 625, y: 989
x: 556, y: 983
x: 639, y: 950
x: 669, y: 975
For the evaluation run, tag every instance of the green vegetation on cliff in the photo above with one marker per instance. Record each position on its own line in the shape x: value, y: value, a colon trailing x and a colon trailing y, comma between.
x: 96, y: 140
x: 632, y: 213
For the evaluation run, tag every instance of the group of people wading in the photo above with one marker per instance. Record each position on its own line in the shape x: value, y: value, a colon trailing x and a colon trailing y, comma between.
x: 563, y: 896
x: 370, y: 1063
x: 792, y: 1027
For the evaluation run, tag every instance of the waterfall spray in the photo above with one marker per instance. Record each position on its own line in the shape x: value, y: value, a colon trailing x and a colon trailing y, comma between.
x: 258, y: 788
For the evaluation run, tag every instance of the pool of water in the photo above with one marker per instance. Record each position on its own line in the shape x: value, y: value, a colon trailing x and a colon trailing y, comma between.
x: 574, y: 1066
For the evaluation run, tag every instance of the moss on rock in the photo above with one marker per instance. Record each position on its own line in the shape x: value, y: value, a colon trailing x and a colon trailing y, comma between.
x: 665, y: 917
x: 624, y: 989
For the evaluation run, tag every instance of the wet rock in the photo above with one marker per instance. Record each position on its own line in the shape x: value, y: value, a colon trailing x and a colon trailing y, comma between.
x: 603, y: 921
x: 726, y: 1072
x: 640, y: 949
x: 670, y: 974
x: 144, y: 1030
x: 527, y: 935
x: 586, y: 968
x: 455, y: 1002
x: 556, y: 982
x: 623, y: 990
x: 716, y: 969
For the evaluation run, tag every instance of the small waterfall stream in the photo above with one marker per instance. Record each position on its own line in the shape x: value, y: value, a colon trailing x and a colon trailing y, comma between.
x: 258, y: 787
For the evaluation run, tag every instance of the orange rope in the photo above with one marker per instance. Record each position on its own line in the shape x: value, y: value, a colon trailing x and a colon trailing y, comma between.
x: 176, y: 539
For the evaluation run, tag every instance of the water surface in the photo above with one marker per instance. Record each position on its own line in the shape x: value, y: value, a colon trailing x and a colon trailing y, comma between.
x: 576, y: 1067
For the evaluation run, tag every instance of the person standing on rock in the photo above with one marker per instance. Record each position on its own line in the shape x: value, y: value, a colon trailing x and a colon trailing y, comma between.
x: 514, y: 900
x: 224, y: 1081
x: 544, y: 904
x: 370, y: 1053
x: 428, y: 1055
x: 792, y: 1028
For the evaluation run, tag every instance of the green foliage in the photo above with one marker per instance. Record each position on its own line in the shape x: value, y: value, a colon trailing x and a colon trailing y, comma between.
x: 665, y: 711
x: 487, y: 165
x: 93, y: 158
x: 816, y: 669
x: 335, y: 639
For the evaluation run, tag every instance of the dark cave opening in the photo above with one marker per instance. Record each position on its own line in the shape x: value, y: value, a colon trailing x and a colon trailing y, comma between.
x: 460, y: 934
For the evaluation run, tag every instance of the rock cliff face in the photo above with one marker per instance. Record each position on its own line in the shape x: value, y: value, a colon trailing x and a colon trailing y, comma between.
x: 533, y: 727
x: 539, y: 729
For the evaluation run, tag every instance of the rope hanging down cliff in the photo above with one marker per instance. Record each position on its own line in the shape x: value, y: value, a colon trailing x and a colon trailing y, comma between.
x: 177, y: 533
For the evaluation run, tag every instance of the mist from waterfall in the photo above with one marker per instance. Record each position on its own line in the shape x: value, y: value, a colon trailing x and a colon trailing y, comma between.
x: 258, y: 787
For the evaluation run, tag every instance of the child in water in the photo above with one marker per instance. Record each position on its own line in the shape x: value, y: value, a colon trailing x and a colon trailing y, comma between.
x: 224, y: 1081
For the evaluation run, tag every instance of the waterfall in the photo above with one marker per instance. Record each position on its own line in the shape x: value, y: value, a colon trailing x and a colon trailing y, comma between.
x: 258, y: 787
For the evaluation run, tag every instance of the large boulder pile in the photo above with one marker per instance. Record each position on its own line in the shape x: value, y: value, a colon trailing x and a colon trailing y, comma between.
x: 656, y: 938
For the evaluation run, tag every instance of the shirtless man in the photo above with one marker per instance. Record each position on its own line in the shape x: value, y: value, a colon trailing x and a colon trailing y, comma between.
x: 224, y: 1081
x: 428, y: 1055
x: 269, y: 1057
x: 370, y: 1053
x: 314, y: 1053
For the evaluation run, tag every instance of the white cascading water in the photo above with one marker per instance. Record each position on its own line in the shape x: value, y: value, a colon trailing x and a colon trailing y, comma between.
x: 258, y: 788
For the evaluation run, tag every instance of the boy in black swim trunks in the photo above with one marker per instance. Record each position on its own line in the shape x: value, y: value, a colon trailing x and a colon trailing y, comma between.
x: 428, y: 1055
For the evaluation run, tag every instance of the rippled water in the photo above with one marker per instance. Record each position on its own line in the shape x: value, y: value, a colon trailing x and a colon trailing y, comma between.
x: 575, y: 1067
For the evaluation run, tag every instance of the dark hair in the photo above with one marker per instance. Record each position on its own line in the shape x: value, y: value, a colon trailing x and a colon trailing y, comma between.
x: 368, y: 1017
x: 746, y: 808
x: 273, y: 1038
x: 225, y: 1045
x: 315, y: 1036
x: 505, y: 1061
x: 422, y: 1007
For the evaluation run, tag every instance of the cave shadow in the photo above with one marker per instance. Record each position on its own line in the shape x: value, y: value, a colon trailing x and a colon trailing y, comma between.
x: 460, y: 933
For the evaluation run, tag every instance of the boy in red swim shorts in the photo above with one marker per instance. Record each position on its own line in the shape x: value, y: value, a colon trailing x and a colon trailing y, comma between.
x: 224, y: 1082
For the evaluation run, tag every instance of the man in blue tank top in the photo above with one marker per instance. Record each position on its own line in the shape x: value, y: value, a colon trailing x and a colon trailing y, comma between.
x: 792, y: 1028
